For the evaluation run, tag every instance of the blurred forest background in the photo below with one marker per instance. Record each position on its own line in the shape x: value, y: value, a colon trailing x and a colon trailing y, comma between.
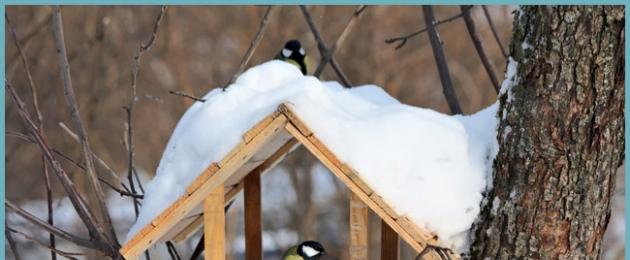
x: 199, y: 48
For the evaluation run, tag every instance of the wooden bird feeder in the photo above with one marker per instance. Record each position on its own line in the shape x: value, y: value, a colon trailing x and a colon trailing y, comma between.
x: 261, y: 148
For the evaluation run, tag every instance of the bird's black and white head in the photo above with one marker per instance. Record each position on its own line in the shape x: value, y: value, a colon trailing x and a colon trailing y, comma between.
x: 293, y: 52
x: 311, y: 250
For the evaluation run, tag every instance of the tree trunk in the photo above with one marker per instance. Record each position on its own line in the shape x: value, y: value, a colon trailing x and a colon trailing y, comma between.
x: 561, y: 136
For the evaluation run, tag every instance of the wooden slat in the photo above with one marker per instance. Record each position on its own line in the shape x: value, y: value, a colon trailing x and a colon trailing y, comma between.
x: 320, y: 145
x: 383, y: 205
x: 358, y: 229
x: 389, y: 242
x: 271, y: 162
x: 181, y: 208
x: 253, y: 217
x: 299, y: 124
x: 203, y: 177
x: 254, y: 131
x: 416, y: 243
x: 214, y: 225
x: 354, y: 176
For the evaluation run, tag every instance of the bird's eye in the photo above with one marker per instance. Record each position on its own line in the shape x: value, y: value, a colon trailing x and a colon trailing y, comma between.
x: 286, y: 53
x: 302, y: 51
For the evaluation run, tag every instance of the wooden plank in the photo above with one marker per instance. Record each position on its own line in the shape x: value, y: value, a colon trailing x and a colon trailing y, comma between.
x: 408, y: 225
x: 271, y: 162
x: 214, y: 224
x: 186, y: 203
x: 389, y: 242
x: 418, y: 244
x: 240, y: 146
x: 358, y: 229
x: 253, y: 217
x: 254, y: 131
x: 383, y: 205
x: 354, y: 176
x: 202, y: 178
x: 286, y: 109
x: 328, y: 153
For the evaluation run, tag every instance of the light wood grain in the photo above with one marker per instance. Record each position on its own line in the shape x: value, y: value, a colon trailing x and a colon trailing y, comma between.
x: 214, y: 225
x: 358, y: 229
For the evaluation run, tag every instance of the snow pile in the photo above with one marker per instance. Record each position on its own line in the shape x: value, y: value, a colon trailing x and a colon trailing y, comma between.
x: 429, y: 166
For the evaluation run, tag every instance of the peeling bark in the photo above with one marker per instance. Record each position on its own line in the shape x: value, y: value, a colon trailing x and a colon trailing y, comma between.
x: 561, y: 136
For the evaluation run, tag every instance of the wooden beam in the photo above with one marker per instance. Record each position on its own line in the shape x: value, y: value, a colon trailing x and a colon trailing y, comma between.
x: 358, y: 229
x: 389, y: 242
x: 214, y: 224
x: 160, y: 225
x: 271, y: 162
x: 253, y: 217
x: 418, y: 243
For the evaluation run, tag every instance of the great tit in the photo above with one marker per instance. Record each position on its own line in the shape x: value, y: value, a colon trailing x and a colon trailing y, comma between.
x: 307, y: 250
x: 294, y: 53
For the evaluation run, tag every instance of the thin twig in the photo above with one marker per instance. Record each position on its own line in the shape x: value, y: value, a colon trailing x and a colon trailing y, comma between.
x: 129, y: 108
x: 40, y: 129
x: 27, y: 38
x: 440, y: 61
x: 53, y: 229
x: 487, y: 63
x: 494, y: 31
x: 403, y: 39
x: 98, y: 159
x: 252, y: 46
x: 55, y: 251
x: 340, y: 40
x: 172, y: 251
x: 11, y: 242
x: 75, y: 197
x: 60, y: 45
x: 179, y: 93
x: 323, y: 50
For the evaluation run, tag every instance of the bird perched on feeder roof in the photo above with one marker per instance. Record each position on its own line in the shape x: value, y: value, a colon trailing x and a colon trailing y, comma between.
x: 307, y: 250
x: 293, y: 53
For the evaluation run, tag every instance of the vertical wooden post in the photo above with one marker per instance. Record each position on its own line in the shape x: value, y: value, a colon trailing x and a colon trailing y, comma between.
x: 358, y: 229
x: 253, y: 217
x: 214, y: 225
x: 389, y: 242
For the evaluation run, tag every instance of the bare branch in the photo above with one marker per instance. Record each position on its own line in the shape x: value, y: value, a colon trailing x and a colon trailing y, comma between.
x: 340, y: 40
x: 40, y: 129
x: 60, y: 45
x: 179, y: 93
x: 172, y: 251
x: 440, y: 61
x: 27, y: 38
x: 323, y: 50
x: 129, y: 108
x: 55, y: 230
x: 403, y: 39
x: 494, y: 31
x: 54, y: 251
x: 487, y: 63
x: 11, y: 242
x: 75, y: 197
x: 252, y: 46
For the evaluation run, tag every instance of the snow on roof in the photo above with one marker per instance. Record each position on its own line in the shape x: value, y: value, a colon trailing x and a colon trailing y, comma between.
x: 429, y: 166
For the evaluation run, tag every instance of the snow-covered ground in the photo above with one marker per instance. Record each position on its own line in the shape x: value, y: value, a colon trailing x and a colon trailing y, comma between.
x: 429, y: 166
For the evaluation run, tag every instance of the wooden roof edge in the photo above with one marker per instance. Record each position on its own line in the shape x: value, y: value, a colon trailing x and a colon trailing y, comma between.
x: 203, y: 184
x: 253, y: 140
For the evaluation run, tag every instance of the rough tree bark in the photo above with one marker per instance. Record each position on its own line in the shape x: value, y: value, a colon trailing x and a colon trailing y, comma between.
x: 561, y: 136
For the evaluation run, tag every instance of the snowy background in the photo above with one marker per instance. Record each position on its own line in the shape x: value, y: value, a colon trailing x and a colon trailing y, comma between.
x: 198, y: 49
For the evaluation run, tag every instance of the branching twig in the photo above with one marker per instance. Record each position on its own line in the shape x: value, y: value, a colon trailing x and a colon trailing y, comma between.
x: 340, y: 40
x: 68, y: 255
x: 55, y: 230
x: 179, y: 93
x: 129, y: 108
x: 487, y: 63
x: 60, y: 45
x: 323, y: 50
x: 403, y: 39
x: 252, y: 46
x: 75, y: 197
x: 11, y: 242
x: 440, y: 61
x: 40, y: 129
x: 494, y: 31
